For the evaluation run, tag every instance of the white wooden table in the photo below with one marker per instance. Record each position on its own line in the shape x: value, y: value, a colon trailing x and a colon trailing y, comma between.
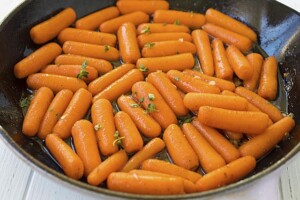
x: 19, y: 181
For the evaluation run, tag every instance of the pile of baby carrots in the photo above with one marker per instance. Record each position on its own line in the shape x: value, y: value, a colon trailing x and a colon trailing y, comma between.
x: 121, y: 117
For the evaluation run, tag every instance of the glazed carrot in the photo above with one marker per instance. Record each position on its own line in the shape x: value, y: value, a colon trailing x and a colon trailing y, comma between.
x: 222, y: 67
x: 240, y: 65
x: 49, y: 29
x: 264, y: 105
x: 159, y: 49
x: 148, y: 7
x: 153, y: 147
x: 112, y: 25
x: 103, y: 120
x: 232, y: 120
x: 104, y: 81
x: 54, y: 112
x: 131, y: 138
x: 204, y: 52
x: 266, y: 141
x: 144, y: 184
x: 91, y: 50
x: 93, y: 21
x: 268, y: 80
x: 128, y: 46
x: 230, y: 173
x: 75, y: 111
x: 85, y: 142
x: 168, y: 91
x: 233, y: 135
x: 120, y: 86
x: 153, y: 103
x: 65, y: 156
x: 218, y: 18
x: 166, y: 63
x: 36, y: 111
x: 144, y: 122
x: 86, y: 36
x: 113, y: 163
x: 37, y: 60
x: 101, y: 65
x: 72, y: 71
x: 168, y: 168
x: 147, y: 28
x: 190, y: 19
x: 55, y: 82
x: 228, y: 151
x: 208, y: 157
x: 228, y: 37
x: 188, y: 83
x: 158, y: 37
x: 256, y: 61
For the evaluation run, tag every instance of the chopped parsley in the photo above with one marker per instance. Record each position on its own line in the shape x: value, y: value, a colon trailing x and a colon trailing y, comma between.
x: 106, y: 48
x: 83, y: 73
x: 151, y: 97
x: 97, y: 127
x: 149, y: 45
x: 146, y: 30
x: 151, y: 108
x: 142, y: 68
x: 118, y: 139
x: 177, y: 22
x: 25, y: 102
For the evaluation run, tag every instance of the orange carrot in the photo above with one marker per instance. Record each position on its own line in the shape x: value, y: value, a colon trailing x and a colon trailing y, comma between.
x: 147, y: 28
x: 75, y: 111
x: 36, y: 111
x: 49, y: 29
x: 233, y: 135
x: 256, y: 61
x: 148, y: 7
x: 37, y: 60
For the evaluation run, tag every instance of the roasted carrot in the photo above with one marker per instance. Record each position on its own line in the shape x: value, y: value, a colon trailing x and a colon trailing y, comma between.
x: 103, y: 120
x: 256, y: 61
x: 113, y: 163
x: 36, y: 111
x: 37, y: 60
x: 112, y: 25
x: 144, y: 122
x: 54, y: 112
x: 230, y: 173
x: 65, y: 156
x: 147, y: 28
x: 233, y: 135
x: 49, y: 29
x: 153, y: 147
x: 75, y: 111
x: 85, y: 142
x: 148, y: 7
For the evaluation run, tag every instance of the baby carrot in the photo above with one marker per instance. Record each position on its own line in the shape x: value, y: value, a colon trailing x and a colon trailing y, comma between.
x: 148, y: 7
x: 113, y: 163
x: 104, y: 81
x: 54, y: 112
x: 268, y: 79
x: 168, y: 91
x: 120, y: 86
x: 209, y: 158
x: 154, y: 146
x: 75, y: 111
x: 201, y: 40
x: 93, y: 21
x: 128, y: 46
x: 147, y: 28
x: 36, y: 111
x: 228, y: 37
x: 190, y: 19
x: 230, y: 173
x: 103, y: 120
x: 49, y: 29
x: 232, y: 120
x: 85, y: 142
x: 65, y: 156
x: 144, y: 122
x: 91, y: 50
x: 55, y: 82
x: 37, y: 60
x: 233, y: 135
x: 261, y: 144
x: 256, y: 61
x: 112, y: 25
x: 131, y: 139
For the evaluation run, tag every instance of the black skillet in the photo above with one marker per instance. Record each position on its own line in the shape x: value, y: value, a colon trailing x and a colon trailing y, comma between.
x: 279, y: 35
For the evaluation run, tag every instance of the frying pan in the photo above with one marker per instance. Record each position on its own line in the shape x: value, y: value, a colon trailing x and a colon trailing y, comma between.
x: 279, y: 35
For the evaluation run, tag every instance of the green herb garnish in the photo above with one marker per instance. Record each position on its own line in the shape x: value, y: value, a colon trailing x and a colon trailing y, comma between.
x: 151, y: 97
x: 106, y: 48
x: 146, y: 30
x: 142, y: 68
x: 149, y: 45
x: 177, y: 22
x: 97, y: 127
x: 83, y: 73
x: 151, y: 108
x: 25, y: 102
x: 118, y: 139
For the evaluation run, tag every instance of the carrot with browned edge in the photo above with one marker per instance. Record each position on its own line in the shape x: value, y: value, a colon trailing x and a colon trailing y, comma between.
x: 147, y: 28
x: 37, y: 60
x: 75, y: 111
x: 230, y: 173
x: 36, y: 111
x: 256, y: 61
x: 148, y: 7
x: 49, y: 29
